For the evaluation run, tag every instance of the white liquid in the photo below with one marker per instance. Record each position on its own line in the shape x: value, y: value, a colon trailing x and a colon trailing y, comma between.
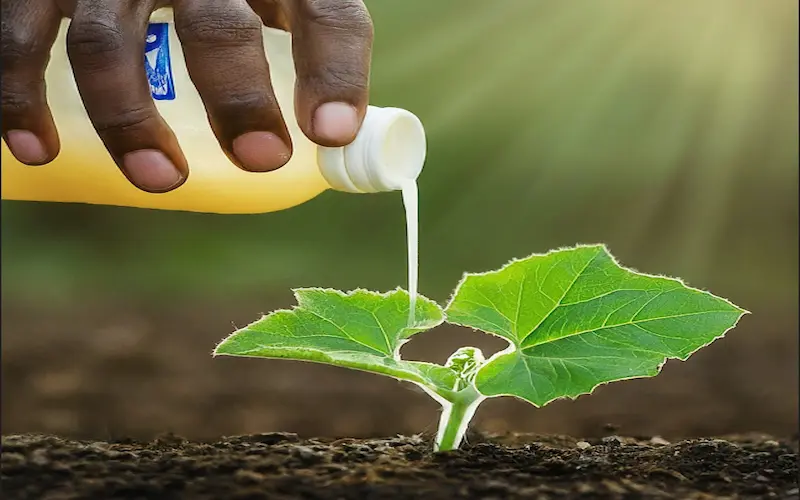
x: 411, y: 204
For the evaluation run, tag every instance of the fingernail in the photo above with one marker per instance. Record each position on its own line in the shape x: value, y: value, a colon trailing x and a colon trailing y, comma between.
x: 336, y: 122
x: 151, y: 170
x: 261, y: 151
x: 26, y: 147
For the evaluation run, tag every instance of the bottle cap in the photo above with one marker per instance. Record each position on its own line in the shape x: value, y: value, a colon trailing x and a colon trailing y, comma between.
x: 388, y: 152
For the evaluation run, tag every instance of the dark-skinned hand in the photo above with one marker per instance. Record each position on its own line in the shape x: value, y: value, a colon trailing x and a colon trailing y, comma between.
x: 222, y: 43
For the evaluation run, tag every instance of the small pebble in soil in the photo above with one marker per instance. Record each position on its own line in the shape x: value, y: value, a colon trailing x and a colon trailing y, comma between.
x: 612, y: 441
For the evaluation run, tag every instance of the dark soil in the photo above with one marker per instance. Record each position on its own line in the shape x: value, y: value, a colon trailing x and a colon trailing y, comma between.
x: 282, y: 466
x: 106, y: 370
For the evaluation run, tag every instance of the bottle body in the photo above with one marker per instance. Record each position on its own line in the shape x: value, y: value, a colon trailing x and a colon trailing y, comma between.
x: 83, y: 172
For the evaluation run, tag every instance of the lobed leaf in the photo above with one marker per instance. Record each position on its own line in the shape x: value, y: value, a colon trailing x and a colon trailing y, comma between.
x: 575, y: 319
x: 362, y: 330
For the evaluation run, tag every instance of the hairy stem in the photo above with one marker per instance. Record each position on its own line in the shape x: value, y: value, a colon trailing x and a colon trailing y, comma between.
x: 456, y: 415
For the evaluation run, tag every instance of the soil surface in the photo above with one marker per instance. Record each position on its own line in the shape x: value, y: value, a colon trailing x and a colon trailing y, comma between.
x: 283, y: 466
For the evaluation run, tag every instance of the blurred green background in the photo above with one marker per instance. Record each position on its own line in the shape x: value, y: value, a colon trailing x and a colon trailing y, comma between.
x: 668, y: 130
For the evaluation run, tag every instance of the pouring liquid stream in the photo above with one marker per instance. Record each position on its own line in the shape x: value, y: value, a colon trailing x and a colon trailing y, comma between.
x: 411, y: 204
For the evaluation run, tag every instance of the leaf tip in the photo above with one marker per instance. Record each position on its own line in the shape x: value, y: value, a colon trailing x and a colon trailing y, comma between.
x: 221, y: 348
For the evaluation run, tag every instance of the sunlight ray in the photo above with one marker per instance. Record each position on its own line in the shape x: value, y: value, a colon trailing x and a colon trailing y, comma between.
x: 444, y: 41
x: 498, y: 73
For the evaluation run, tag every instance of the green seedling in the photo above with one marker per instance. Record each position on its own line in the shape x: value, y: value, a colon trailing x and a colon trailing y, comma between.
x: 574, y: 319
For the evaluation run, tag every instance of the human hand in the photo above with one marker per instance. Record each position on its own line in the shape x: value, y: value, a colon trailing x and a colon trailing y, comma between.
x: 222, y: 43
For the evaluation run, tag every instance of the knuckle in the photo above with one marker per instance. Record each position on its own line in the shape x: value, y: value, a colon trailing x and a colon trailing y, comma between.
x: 347, y: 80
x: 20, y: 45
x: 245, y: 106
x: 248, y: 100
x: 214, y: 27
x: 350, y: 15
x: 124, y: 121
x: 15, y: 103
x: 95, y: 41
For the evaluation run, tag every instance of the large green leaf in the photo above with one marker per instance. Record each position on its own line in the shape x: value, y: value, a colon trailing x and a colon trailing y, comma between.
x: 575, y: 319
x: 361, y: 329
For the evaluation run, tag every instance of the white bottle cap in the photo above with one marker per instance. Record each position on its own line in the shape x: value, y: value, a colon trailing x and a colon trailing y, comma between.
x: 388, y: 152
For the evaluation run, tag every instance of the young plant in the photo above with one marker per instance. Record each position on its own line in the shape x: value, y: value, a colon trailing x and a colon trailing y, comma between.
x: 574, y: 319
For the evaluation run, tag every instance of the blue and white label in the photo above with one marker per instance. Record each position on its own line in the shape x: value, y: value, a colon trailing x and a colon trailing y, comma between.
x: 157, y: 62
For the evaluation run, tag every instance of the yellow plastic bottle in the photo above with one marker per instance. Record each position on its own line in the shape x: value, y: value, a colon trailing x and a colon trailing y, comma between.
x: 387, y: 154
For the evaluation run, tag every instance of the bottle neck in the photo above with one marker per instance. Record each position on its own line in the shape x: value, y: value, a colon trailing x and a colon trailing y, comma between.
x: 388, y: 153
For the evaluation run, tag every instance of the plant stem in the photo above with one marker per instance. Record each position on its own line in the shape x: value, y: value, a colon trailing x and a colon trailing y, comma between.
x: 455, y: 418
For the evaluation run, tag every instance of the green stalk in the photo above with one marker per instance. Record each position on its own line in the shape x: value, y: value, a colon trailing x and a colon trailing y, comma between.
x: 456, y: 415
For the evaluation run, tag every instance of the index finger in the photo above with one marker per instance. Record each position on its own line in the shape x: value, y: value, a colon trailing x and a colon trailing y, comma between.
x: 105, y: 43
x: 332, y: 45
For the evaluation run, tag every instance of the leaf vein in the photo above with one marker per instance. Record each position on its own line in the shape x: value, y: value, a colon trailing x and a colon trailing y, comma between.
x: 575, y: 280
x: 344, y: 332
x: 628, y: 323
